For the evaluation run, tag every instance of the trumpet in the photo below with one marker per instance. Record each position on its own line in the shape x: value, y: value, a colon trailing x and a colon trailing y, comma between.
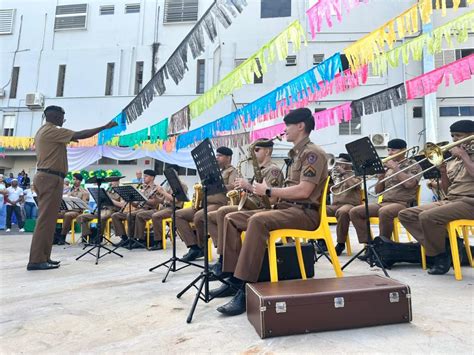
x: 434, y: 154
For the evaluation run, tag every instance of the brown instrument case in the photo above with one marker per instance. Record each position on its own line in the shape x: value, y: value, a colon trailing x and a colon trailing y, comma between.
x: 304, y: 306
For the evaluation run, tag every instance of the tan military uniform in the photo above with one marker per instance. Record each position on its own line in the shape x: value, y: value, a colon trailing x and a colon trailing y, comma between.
x: 119, y: 217
x: 342, y: 205
x: 272, y: 176
x: 68, y: 216
x: 51, y: 154
x: 187, y: 215
x: 309, y: 164
x: 393, y: 202
x: 427, y: 223
x: 105, y: 214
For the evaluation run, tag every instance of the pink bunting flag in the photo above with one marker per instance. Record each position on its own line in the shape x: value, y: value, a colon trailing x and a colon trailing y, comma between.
x: 267, y: 132
x: 333, y: 116
x: 425, y: 84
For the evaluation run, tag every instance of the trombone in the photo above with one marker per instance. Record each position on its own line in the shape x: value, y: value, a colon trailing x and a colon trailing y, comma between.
x: 434, y: 154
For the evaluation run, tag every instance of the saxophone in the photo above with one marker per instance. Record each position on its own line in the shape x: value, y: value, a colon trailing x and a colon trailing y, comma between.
x: 197, y: 197
x: 234, y: 195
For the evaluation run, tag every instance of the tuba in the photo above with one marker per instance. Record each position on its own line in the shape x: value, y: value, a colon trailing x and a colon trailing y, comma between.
x: 197, y: 197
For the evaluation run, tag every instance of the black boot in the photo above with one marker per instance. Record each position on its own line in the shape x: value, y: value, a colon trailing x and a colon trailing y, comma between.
x: 61, y: 240
x: 441, y: 264
x: 226, y: 290
x: 124, y: 242
x: 194, y: 253
x: 236, y: 305
x: 340, y: 248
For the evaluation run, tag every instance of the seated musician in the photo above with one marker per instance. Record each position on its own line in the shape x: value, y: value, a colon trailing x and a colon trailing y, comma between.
x: 427, y: 223
x: 118, y: 218
x: 344, y: 202
x: 105, y: 213
x: 297, y: 208
x: 165, y: 210
x: 394, y: 200
x: 189, y: 215
x: 67, y: 216
x: 271, y: 173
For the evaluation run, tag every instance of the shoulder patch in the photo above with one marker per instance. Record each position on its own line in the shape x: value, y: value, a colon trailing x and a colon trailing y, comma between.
x: 276, y: 172
x: 312, y: 158
x: 309, y: 172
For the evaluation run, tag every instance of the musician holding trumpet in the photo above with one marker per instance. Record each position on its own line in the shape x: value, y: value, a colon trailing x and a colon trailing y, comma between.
x: 427, y: 223
x: 395, y: 198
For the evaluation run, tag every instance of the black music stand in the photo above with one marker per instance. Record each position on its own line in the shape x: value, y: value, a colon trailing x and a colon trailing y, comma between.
x: 178, y: 195
x: 129, y: 194
x: 100, y: 197
x: 366, y: 161
x: 212, y: 183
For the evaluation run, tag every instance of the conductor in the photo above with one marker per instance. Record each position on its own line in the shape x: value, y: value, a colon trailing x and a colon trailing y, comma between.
x: 50, y: 141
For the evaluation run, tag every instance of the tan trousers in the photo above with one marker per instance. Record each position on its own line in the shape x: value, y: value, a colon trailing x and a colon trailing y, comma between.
x: 386, y: 211
x: 67, y: 218
x: 341, y: 212
x: 140, y: 223
x: 245, y: 260
x: 216, y: 225
x: 84, y: 220
x: 49, y: 189
x: 189, y: 215
x: 157, y: 219
x: 427, y: 223
x: 117, y: 221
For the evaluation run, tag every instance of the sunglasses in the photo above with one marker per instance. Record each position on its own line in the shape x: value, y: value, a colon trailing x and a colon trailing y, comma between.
x: 256, y: 149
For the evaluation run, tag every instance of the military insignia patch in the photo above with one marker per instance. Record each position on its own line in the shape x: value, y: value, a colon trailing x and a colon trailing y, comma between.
x: 275, y: 172
x: 309, y: 172
x: 312, y: 158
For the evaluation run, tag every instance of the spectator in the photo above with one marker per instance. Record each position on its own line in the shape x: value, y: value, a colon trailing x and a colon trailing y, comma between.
x: 66, y: 187
x: 13, y: 198
x: 31, y: 210
x: 25, y: 183
x: 3, y: 208
x: 139, y: 177
x: 8, y: 180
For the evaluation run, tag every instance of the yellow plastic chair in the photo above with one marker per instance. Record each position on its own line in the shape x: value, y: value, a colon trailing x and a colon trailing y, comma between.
x: 73, y: 233
x: 107, y: 229
x: 455, y: 228
x: 168, y: 222
x: 333, y: 220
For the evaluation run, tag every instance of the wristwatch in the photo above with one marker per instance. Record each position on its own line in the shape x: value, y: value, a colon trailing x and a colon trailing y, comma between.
x: 268, y: 192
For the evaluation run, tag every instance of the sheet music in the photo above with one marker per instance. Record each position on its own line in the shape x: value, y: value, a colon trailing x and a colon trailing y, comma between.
x: 74, y: 203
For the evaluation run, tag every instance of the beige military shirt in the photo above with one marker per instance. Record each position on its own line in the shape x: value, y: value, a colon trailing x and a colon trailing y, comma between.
x: 229, y: 174
x: 272, y: 174
x: 79, y: 192
x: 149, y: 192
x: 350, y: 197
x: 401, y: 194
x: 461, y: 183
x: 50, y: 146
x: 309, y: 164
x: 115, y: 197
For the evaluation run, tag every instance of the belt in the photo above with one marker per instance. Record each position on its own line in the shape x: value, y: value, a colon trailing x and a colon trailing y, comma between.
x: 52, y: 172
x: 310, y: 206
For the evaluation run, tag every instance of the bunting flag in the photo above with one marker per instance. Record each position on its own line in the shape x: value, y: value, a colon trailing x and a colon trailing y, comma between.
x: 23, y: 143
x: 432, y: 41
x: 256, y: 65
x: 333, y: 116
x: 428, y: 83
x: 324, y: 9
x: 133, y: 139
x: 267, y: 132
x: 107, y: 135
x: 179, y: 121
x: 159, y: 131
x: 176, y: 65
x: 231, y: 140
x: 88, y: 142
x: 380, y: 101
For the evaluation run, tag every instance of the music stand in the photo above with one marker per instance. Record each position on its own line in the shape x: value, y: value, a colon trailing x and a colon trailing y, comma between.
x: 178, y: 195
x: 212, y: 183
x: 129, y: 194
x: 365, y: 161
x: 100, y: 196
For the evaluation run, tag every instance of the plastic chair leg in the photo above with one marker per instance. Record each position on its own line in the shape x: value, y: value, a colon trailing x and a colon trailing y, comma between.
x: 423, y: 258
x: 299, y: 255
x: 454, y: 251
x: 272, y: 260
x: 348, y: 246
x: 465, y: 234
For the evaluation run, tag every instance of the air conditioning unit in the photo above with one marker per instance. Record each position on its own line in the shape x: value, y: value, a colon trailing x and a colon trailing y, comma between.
x: 34, y: 100
x: 2, y: 92
x: 379, y: 139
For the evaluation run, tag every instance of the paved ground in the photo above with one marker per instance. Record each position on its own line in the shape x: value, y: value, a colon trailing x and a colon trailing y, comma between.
x: 118, y: 306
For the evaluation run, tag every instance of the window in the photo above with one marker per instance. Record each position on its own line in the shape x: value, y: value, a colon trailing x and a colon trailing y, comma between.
x: 181, y: 11
x: 417, y: 112
x: 138, y: 77
x: 201, y: 76
x: 107, y: 10
x: 8, y: 125
x: 449, y: 3
x: 291, y: 61
x: 256, y: 79
x: 106, y: 161
x: 450, y: 55
x: 455, y: 111
x: 127, y: 162
x: 61, y: 77
x: 465, y: 52
x: 14, y: 82
x: 132, y: 8
x: 70, y: 17
x: 275, y: 8
x: 109, y: 80
x: 6, y: 21
x: 353, y: 127
x: 318, y: 58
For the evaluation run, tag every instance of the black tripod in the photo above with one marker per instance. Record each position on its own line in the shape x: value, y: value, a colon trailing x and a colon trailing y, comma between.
x: 366, y: 161
x: 178, y: 195
x: 212, y: 183
x: 101, y: 196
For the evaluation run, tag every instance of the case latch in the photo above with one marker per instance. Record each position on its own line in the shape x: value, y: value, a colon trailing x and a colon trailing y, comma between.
x: 394, y: 297
x: 338, y: 302
x: 280, y: 307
